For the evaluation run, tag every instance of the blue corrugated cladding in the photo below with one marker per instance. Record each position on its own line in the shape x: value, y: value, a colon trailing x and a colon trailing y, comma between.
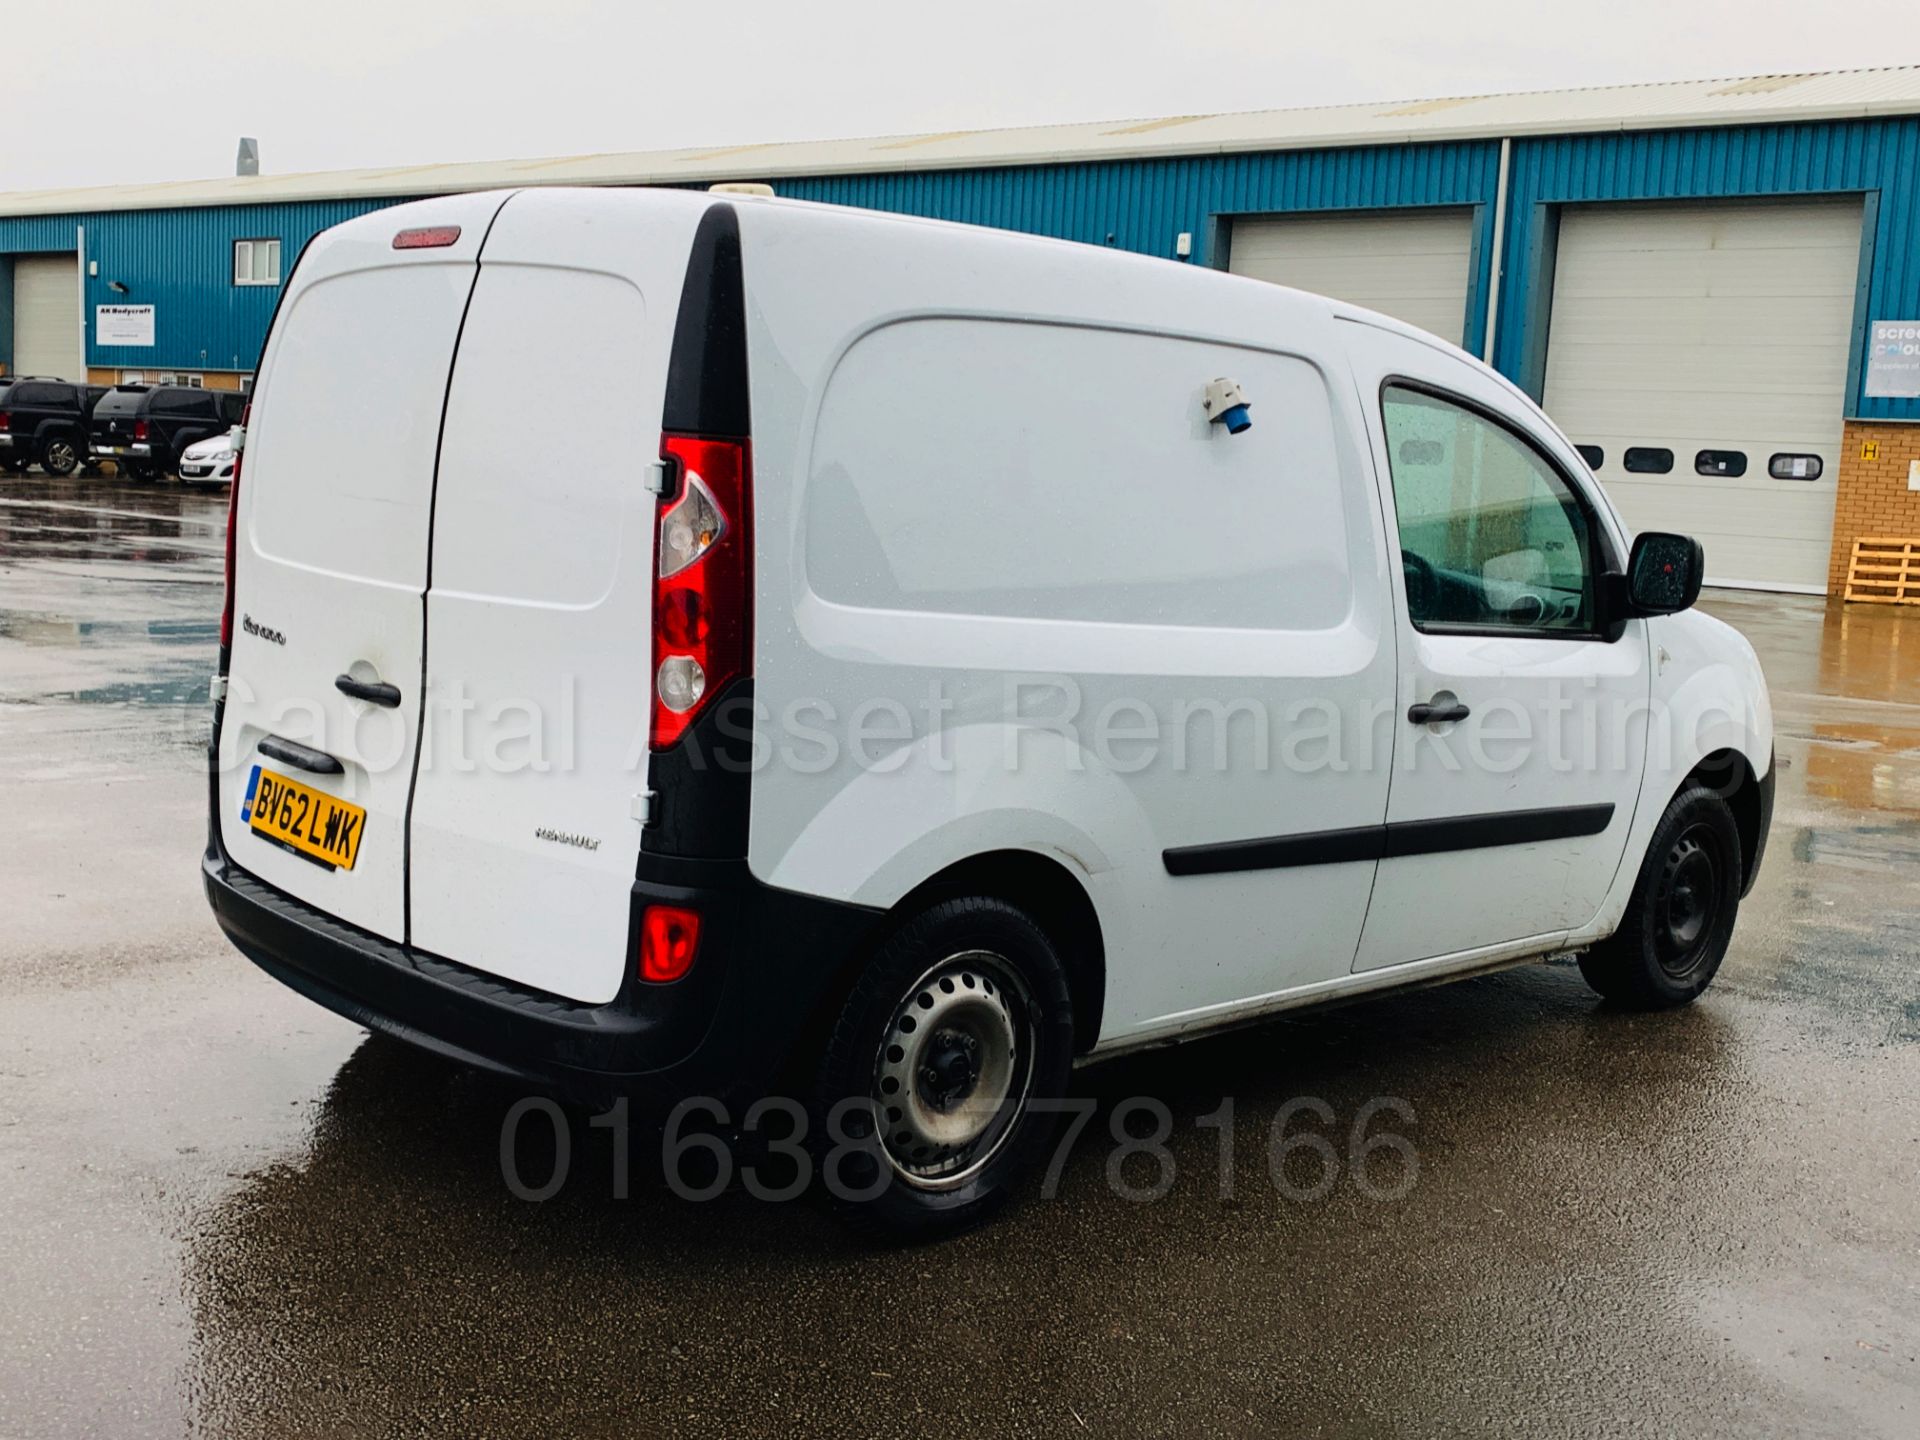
x: 1142, y: 205
x: 181, y: 263
x: 1878, y: 160
x: 181, y: 260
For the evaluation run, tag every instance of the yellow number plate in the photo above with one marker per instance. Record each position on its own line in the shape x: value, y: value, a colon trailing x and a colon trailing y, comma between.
x: 309, y: 822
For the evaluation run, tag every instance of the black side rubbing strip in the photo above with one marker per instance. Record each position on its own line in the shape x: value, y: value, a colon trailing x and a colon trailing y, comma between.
x: 1390, y: 842
x: 1483, y: 832
x: 1320, y: 847
x: 707, y: 369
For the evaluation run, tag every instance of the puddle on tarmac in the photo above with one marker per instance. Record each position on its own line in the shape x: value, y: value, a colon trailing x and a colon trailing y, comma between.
x: 1865, y: 847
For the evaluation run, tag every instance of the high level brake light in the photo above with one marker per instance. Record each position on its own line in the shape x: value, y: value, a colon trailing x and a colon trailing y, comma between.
x: 703, y: 580
x: 427, y: 237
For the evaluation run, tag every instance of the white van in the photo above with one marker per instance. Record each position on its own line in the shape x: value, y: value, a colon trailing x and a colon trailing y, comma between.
x: 688, y: 644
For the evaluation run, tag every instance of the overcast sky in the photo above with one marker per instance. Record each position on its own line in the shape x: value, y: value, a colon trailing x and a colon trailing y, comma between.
x: 104, y: 91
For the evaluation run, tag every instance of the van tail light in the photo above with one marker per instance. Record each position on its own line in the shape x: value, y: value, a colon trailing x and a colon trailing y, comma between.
x: 669, y: 940
x: 140, y: 430
x: 703, y: 580
x: 233, y: 513
x: 6, y: 422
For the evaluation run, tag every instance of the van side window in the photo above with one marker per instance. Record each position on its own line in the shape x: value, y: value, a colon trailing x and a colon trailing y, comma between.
x: 1491, y: 536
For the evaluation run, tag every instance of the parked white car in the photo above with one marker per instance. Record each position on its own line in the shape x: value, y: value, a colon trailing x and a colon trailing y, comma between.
x: 960, y: 687
x: 208, y: 461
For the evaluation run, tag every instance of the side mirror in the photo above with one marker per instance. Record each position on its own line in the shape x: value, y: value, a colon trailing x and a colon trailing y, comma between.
x: 1664, y: 573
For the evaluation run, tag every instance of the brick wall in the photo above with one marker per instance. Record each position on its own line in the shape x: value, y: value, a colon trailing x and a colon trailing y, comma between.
x: 1873, y: 497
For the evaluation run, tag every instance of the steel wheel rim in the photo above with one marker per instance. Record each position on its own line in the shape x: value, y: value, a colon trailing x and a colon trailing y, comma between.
x: 953, y: 1070
x: 1687, y: 904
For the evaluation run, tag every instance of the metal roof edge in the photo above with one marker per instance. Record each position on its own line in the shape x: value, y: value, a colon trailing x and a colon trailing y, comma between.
x: 655, y: 168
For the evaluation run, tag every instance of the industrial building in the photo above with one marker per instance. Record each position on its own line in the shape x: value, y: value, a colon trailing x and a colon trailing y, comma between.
x: 1714, y: 286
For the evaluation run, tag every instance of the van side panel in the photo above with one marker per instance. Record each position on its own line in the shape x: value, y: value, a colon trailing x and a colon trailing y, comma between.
x: 526, y: 828
x: 331, y: 550
x: 1039, y: 602
x: 981, y: 490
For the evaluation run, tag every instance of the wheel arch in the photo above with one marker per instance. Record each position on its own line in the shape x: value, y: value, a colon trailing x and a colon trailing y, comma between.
x: 1053, y: 895
x: 1730, y: 775
x: 1034, y: 882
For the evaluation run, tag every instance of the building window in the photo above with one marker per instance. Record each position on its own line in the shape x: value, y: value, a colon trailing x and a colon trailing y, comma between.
x: 1593, y: 455
x: 1720, y: 462
x: 1647, y: 460
x: 256, y: 262
x: 1796, y: 467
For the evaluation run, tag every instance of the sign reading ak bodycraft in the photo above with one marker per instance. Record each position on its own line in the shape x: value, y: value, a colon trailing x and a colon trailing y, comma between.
x: 1893, y: 360
x: 123, y: 324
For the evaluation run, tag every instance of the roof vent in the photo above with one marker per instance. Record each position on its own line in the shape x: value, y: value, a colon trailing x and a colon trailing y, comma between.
x: 247, y: 162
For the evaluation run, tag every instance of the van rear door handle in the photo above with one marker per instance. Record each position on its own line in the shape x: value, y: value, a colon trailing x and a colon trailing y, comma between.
x: 1428, y: 713
x: 301, y: 757
x: 374, y: 692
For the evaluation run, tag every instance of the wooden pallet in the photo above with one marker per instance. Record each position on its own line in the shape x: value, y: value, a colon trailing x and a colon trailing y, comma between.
x: 1885, y: 571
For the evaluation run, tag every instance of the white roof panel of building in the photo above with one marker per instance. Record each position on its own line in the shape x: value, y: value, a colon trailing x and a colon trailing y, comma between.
x: 1832, y: 95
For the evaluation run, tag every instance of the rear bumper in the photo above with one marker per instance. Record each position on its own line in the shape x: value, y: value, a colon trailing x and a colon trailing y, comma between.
x: 768, y: 960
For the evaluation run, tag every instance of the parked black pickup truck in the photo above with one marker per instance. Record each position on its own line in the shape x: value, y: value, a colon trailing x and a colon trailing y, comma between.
x: 43, y: 421
x: 143, y: 428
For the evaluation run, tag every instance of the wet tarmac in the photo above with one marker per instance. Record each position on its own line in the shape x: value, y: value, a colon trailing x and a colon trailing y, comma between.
x: 228, y: 1212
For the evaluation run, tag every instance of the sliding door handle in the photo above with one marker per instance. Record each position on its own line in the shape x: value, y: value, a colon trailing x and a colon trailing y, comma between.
x: 1437, y: 711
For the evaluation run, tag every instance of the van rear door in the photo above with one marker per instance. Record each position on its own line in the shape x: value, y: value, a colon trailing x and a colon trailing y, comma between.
x: 526, y: 825
x: 332, y: 523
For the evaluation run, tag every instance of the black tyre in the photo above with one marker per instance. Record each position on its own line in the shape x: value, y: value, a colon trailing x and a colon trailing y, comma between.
x: 19, y: 467
x: 60, y: 456
x: 958, y: 1025
x: 1680, y: 918
x: 141, y: 470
